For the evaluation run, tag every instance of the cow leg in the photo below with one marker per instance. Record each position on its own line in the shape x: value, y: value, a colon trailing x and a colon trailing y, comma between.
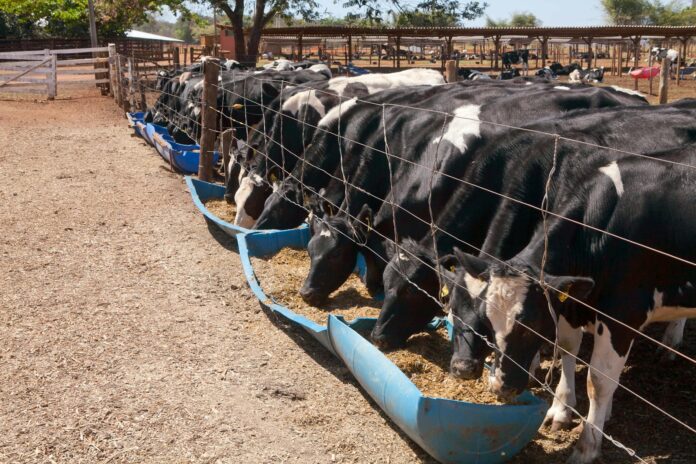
x: 602, y: 380
x: 674, y: 333
x: 559, y: 415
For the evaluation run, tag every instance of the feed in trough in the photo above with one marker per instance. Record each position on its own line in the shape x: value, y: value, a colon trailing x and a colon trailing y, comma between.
x: 425, y: 359
x: 222, y: 209
x: 281, y: 277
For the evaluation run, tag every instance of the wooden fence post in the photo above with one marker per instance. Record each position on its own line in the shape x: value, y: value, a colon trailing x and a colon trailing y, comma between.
x: 119, y: 79
x: 176, y: 58
x: 451, y: 71
x: 211, y: 69
x: 131, y: 85
x: 53, y: 79
x: 664, y: 79
x: 112, y: 68
x: 143, y: 100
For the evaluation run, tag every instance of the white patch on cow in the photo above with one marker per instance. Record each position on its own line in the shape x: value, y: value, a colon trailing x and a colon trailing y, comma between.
x: 378, y: 82
x: 627, y: 91
x: 674, y: 333
x: 242, y: 173
x: 199, y: 85
x: 561, y: 87
x: 325, y: 232
x: 464, y: 124
x: 308, y: 97
x: 504, y: 301
x: 321, y: 69
x: 184, y: 77
x: 657, y: 299
x: 337, y: 110
x: 575, y: 77
x: 473, y: 285
x: 529, y: 83
x: 569, y: 339
x: 196, y: 111
x: 246, y: 186
x: 612, y: 171
x: 602, y: 381
x: 403, y: 257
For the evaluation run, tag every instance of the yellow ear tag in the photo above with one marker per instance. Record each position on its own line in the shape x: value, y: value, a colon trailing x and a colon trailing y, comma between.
x: 273, y: 178
x: 563, y: 296
x: 369, y: 226
x: 452, y: 268
x: 444, y: 292
x: 237, y: 106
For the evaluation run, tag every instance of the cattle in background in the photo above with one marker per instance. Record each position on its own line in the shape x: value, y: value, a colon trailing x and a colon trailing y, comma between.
x: 471, y: 75
x: 561, y: 70
x: 625, y: 282
x: 519, y: 57
x: 334, y: 249
x: 507, y: 74
x: 546, y: 73
x: 591, y: 76
x: 294, y: 128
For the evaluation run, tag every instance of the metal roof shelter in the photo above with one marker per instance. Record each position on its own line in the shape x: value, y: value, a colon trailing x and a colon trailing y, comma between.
x: 133, y: 34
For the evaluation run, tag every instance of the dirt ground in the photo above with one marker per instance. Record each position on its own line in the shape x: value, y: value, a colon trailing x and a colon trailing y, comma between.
x: 128, y: 332
x: 129, y: 335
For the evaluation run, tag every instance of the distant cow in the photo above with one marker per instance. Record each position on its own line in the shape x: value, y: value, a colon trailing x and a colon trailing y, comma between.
x: 507, y: 74
x: 591, y: 76
x: 561, y: 70
x: 520, y: 57
x: 471, y: 75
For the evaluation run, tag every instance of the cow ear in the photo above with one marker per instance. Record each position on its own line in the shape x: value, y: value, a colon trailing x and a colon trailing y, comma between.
x: 363, y: 221
x: 448, y: 262
x: 577, y: 287
x: 272, y: 176
x: 269, y: 90
x: 477, y: 267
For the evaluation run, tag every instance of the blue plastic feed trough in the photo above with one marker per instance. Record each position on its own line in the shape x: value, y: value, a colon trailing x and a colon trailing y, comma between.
x: 451, y: 431
x: 137, y: 122
x: 182, y: 157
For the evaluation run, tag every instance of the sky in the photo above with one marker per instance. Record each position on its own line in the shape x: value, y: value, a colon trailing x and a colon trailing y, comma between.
x: 550, y: 12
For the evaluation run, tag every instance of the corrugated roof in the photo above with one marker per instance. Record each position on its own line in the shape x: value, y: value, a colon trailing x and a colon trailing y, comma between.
x: 133, y: 34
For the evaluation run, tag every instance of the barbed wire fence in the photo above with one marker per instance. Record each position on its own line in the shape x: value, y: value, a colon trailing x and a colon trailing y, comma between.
x: 193, y: 126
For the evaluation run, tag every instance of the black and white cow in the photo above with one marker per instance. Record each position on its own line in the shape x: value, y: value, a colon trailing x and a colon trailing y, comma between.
x: 507, y: 74
x: 560, y: 70
x: 336, y: 242
x: 590, y: 76
x: 293, y: 129
x: 322, y: 158
x: 520, y: 57
x: 514, y: 166
x: 471, y: 74
x: 606, y: 283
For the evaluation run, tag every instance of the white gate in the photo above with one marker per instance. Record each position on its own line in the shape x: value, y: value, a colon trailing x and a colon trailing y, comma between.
x: 44, y: 71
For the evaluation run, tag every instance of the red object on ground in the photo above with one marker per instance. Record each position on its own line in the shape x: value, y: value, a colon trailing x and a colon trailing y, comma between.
x: 645, y: 73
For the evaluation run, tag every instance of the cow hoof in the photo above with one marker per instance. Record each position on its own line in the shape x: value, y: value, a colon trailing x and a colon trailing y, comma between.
x: 558, y: 419
x: 582, y: 456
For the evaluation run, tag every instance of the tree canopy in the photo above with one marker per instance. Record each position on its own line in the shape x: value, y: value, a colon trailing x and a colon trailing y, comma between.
x: 517, y: 19
x: 655, y: 12
x: 69, y: 18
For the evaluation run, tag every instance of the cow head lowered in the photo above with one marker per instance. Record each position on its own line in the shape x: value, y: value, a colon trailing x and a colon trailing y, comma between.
x: 411, y: 291
x: 284, y: 208
x: 516, y: 307
x: 333, y: 250
x: 469, y: 323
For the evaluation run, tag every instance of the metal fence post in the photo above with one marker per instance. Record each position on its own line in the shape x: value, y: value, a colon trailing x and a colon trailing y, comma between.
x: 211, y: 69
